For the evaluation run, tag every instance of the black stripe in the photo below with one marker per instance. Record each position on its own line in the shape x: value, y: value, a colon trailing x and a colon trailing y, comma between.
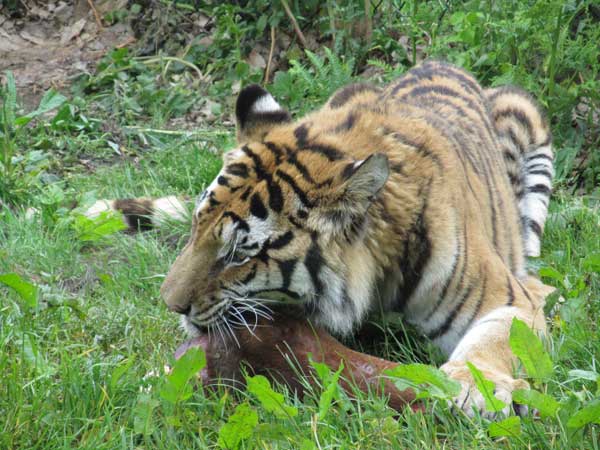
x: 245, y: 194
x: 480, y: 301
x: 515, y: 140
x: 509, y: 155
x: 313, y: 262
x: 293, y: 160
x: 286, y: 268
x: 238, y: 169
x: 539, y: 156
x: 258, y: 166
x: 241, y: 223
x: 445, y: 327
x: 535, y: 227
x: 345, y: 94
x: 248, y: 278
x: 540, y: 172
x: 525, y: 293
x: 277, y: 152
x: 518, y: 115
x: 537, y: 166
x: 212, y: 201
x: 299, y: 192
x: 453, y: 274
x: 347, y: 124
x: 301, y: 135
x: 257, y: 207
x: 275, y: 196
x: 287, y: 292
x: 511, y: 292
x: 515, y: 180
x: 327, y: 151
x: 539, y: 189
x: 416, y: 253
x: 348, y: 171
x: 421, y: 149
x: 466, y: 81
x: 446, y: 92
x: 281, y: 241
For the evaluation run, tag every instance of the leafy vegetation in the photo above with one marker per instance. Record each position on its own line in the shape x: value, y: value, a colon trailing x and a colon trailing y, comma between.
x: 84, y: 335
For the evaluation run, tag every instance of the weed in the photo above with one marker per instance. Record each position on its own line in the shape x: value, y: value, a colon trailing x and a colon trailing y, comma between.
x: 84, y: 335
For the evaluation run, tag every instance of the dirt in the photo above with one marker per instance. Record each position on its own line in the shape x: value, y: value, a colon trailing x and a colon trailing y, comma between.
x: 52, y: 42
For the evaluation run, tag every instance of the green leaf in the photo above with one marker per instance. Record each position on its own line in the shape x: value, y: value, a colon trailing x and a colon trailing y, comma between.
x: 330, y: 392
x: 588, y: 414
x: 50, y: 101
x: 428, y: 381
x: 545, y: 404
x: 552, y: 273
x: 239, y: 426
x: 486, y: 387
x: 96, y: 229
x: 10, y: 102
x: 528, y: 347
x: 592, y: 262
x: 142, y: 415
x: 586, y: 375
x: 510, y: 427
x: 270, y: 400
x: 120, y: 370
x: 27, y: 291
x: 177, y: 386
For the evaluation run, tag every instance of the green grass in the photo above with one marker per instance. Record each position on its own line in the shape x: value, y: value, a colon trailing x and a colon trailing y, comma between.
x: 73, y: 366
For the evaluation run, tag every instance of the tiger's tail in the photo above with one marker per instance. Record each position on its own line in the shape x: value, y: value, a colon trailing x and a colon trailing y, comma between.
x: 140, y: 214
x: 526, y: 143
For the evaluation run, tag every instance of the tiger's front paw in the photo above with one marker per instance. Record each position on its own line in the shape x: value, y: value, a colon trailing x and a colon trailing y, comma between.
x: 471, y: 399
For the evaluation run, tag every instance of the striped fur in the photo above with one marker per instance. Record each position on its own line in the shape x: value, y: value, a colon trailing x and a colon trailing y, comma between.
x: 422, y: 197
x: 526, y: 142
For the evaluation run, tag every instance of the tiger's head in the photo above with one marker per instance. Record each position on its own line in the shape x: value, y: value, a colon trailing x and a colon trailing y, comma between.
x: 275, y: 225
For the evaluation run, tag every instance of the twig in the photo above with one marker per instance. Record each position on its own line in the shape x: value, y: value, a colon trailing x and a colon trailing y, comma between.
x: 96, y: 15
x: 268, y: 69
x: 332, y: 29
x: 297, y: 29
x: 152, y: 60
x: 368, y: 22
x: 177, y: 133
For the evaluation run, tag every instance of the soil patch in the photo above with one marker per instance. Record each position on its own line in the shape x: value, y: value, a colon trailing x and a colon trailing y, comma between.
x: 50, y: 43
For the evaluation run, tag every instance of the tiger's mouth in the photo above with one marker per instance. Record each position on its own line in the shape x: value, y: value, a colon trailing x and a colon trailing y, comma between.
x: 226, y: 316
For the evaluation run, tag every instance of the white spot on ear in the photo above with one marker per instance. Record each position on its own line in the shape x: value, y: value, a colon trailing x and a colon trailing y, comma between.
x: 265, y: 104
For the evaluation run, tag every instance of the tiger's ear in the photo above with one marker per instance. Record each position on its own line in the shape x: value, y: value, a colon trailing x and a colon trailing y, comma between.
x: 256, y: 112
x: 347, y: 204
x: 364, y: 179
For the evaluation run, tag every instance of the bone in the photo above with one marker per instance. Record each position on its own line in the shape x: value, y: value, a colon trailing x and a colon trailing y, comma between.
x: 269, y: 349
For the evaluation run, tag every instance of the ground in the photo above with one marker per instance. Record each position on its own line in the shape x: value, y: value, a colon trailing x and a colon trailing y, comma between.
x: 83, y: 331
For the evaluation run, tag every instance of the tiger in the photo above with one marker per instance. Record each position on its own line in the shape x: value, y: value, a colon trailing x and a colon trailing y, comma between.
x: 423, y: 197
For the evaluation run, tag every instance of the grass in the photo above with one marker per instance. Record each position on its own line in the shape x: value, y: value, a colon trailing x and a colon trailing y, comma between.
x: 74, y: 362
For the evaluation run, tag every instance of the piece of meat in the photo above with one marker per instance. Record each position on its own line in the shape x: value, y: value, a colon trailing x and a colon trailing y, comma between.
x: 280, y: 349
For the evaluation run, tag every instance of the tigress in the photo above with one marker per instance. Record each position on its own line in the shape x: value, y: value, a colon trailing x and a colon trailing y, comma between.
x: 422, y: 197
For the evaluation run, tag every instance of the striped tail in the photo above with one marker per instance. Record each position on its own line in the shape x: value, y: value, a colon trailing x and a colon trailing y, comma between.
x: 526, y: 144
x: 140, y: 214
